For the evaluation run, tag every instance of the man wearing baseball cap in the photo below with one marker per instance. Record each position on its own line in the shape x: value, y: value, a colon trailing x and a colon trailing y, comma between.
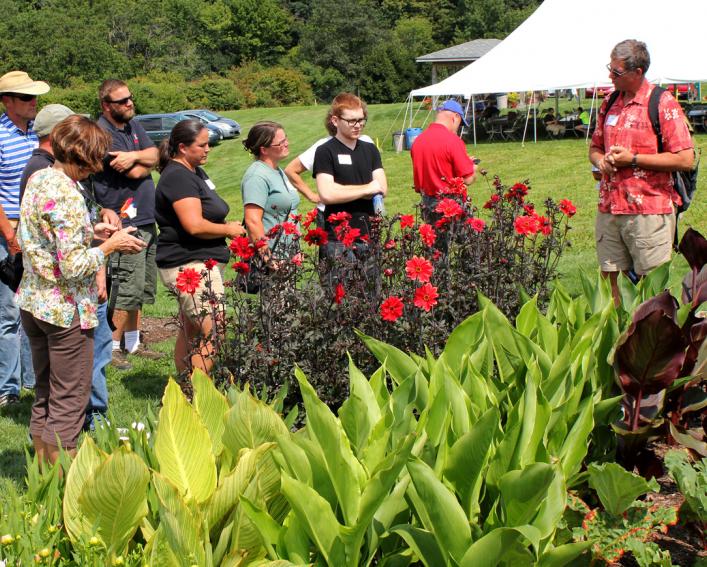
x: 18, y: 94
x: 438, y: 155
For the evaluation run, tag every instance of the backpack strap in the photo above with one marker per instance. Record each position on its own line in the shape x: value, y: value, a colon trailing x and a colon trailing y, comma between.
x: 653, y: 104
x: 612, y: 99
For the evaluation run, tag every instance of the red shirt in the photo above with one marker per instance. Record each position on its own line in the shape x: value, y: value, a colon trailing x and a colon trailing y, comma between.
x: 640, y: 191
x: 438, y: 155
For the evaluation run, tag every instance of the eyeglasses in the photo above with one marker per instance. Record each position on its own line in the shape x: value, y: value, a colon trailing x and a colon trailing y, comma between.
x: 284, y: 142
x: 121, y: 101
x: 352, y: 122
x: 616, y: 72
x: 23, y: 97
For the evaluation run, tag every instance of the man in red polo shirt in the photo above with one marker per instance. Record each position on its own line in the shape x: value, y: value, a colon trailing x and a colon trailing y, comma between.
x: 438, y: 155
x: 636, y: 219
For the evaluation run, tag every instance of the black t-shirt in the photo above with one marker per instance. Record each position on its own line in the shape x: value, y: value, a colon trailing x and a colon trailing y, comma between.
x: 113, y: 188
x: 175, y: 246
x: 349, y: 167
x: 40, y: 159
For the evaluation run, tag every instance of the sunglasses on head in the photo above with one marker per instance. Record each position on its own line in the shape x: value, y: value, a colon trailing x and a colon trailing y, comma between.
x: 22, y: 97
x: 120, y: 100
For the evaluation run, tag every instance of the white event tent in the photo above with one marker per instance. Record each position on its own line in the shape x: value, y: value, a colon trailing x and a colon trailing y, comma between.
x: 565, y: 44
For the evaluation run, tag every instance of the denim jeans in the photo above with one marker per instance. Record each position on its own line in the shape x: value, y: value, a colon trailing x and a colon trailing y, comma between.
x: 15, y: 355
x: 102, y: 355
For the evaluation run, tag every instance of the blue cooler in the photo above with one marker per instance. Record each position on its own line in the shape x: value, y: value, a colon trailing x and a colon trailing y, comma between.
x: 410, y: 135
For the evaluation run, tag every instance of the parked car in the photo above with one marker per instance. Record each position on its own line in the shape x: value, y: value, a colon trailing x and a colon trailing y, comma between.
x: 230, y: 128
x: 159, y: 126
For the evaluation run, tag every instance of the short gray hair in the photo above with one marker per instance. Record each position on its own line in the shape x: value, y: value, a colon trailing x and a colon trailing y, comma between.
x: 633, y: 53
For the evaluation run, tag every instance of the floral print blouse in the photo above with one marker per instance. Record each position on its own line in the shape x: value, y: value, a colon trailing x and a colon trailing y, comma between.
x: 60, y: 265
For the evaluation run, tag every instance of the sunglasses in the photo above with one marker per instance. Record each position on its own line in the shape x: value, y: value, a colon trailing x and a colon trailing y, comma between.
x: 616, y: 72
x: 120, y: 101
x: 284, y: 142
x: 22, y: 97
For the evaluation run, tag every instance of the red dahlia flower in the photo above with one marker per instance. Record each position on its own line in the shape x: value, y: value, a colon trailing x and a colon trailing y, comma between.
x: 290, y: 228
x: 545, y: 225
x: 407, y: 221
x: 241, y: 267
x: 310, y: 218
x: 297, y: 259
x: 491, y: 203
x: 342, y: 216
x: 350, y: 237
x: 476, y: 224
x: 526, y: 225
x: 419, y: 269
x: 339, y: 293
x: 242, y: 247
x: 427, y: 234
x: 426, y: 297
x: 567, y: 207
x: 390, y: 245
x: 316, y: 237
x: 449, y: 208
x: 517, y: 192
x: 391, y: 309
x: 188, y: 281
x: 210, y: 264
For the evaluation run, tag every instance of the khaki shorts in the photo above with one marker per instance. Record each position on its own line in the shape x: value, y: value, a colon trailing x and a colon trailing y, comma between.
x: 134, y: 276
x: 638, y: 242
x: 192, y: 306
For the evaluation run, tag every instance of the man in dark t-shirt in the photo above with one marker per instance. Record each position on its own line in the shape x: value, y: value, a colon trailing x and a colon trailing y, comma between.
x: 349, y: 172
x: 125, y: 185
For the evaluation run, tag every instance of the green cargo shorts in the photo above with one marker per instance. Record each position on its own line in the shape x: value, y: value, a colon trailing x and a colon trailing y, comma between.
x: 134, y: 276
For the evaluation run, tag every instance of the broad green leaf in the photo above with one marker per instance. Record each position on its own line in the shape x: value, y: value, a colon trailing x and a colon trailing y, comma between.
x: 227, y: 494
x: 527, y: 319
x: 379, y: 387
x: 503, y: 344
x: 397, y: 363
x: 503, y: 456
x: 317, y: 518
x: 345, y: 472
x: 467, y: 460
x: 447, y: 520
x: 269, y: 529
x: 564, y: 554
x: 576, y: 444
x: 182, y: 528
x: 250, y: 423
x: 360, y: 412
x: 553, y: 506
x: 387, y: 512
x: 114, y: 499
x: 616, y: 487
x: 158, y: 551
x: 293, y: 459
x: 82, y: 469
x: 183, y: 447
x: 294, y: 540
x: 489, y: 550
x: 462, y: 340
x: 523, y: 491
x: 211, y: 405
x: 423, y: 544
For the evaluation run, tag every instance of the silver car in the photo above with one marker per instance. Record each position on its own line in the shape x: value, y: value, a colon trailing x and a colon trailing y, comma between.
x: 229, y: 128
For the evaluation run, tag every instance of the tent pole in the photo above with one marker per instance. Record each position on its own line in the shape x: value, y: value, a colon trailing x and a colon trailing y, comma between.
x: 473, y: 118
x: 527, y: 118
x: 535, y: 120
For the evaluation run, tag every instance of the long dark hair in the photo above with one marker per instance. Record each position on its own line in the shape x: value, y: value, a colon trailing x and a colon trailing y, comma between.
x: 184, y: 132
x: 261, y: 135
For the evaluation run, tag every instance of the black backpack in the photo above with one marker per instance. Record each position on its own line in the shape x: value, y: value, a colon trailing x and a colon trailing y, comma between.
x: 684, y: 182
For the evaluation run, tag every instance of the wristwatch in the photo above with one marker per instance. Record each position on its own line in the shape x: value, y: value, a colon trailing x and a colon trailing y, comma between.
x: 634, y: 161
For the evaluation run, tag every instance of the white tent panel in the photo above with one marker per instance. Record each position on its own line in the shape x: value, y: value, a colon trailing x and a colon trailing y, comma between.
x: 566, y: 44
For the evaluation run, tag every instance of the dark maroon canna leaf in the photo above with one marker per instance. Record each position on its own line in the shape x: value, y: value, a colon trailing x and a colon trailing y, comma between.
x: 696, y: 336
x: 650, y: 355
x: 695, y: 283
x: 694, y: 247
x: 663, y: 302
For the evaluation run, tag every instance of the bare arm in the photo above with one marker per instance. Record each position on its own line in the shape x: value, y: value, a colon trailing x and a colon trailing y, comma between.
x: 8, y: 233
x: 256, y: 230
x: 191, y: 217
x: 137, y: 164
x: 293, y: 171
x: 598, y: 159
x: 665, y: 161
x: 332, y: 193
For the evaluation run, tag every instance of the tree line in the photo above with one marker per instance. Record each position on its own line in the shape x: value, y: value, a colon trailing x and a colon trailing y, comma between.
x: 366, y: 46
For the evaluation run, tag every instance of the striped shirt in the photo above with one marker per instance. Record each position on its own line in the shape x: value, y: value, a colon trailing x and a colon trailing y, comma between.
x: 16, y: 148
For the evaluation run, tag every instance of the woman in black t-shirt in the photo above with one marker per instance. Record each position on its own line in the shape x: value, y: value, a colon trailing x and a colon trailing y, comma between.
x: 193, y: 230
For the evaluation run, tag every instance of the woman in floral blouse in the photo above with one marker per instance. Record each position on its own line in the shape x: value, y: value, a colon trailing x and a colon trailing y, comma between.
x: 58, y: 295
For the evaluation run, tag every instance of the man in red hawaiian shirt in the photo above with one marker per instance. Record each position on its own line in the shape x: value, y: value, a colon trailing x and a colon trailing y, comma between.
x: 636, y: 219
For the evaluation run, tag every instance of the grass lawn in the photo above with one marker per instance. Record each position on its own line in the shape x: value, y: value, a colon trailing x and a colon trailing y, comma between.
x: 558, y: 169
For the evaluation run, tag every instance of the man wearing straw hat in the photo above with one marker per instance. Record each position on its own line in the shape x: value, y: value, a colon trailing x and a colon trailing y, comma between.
x: 18, y: 93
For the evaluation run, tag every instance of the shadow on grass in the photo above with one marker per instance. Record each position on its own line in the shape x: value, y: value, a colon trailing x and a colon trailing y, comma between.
x: 147, y: 380
x: 20, y: 412
x: 13, y: 466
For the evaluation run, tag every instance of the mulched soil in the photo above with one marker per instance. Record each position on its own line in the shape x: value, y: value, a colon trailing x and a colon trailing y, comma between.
x: 157, y: 329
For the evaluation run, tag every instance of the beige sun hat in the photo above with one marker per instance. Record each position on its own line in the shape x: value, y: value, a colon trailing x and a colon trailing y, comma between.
x: 49, y: 117
x: 21, y: 83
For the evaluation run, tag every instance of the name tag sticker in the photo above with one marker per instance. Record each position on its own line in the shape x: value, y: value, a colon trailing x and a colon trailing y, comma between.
x: 344, y: 159
x: 210, y: 184
x: 612, y: 119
